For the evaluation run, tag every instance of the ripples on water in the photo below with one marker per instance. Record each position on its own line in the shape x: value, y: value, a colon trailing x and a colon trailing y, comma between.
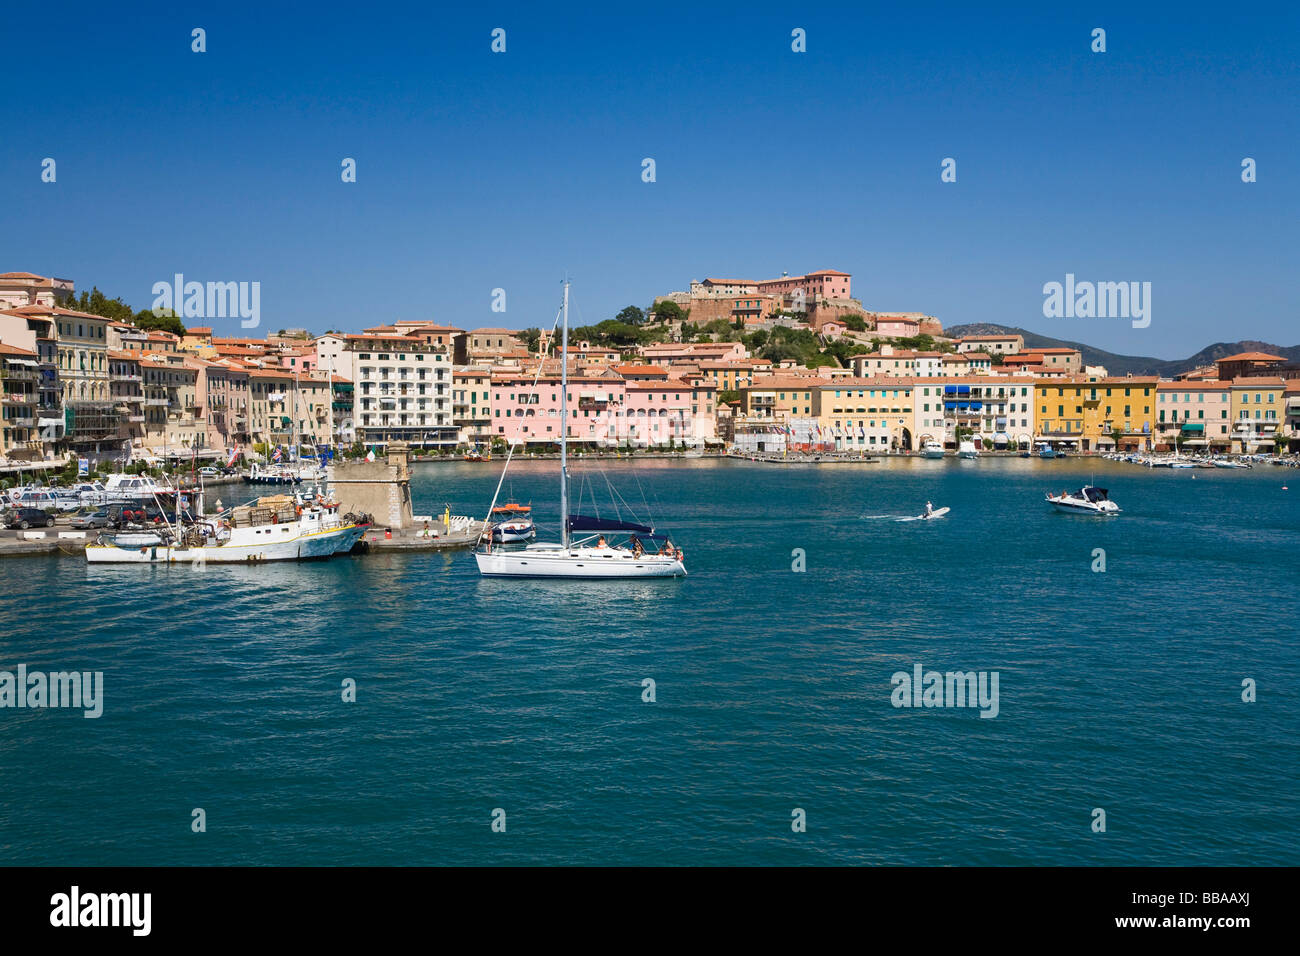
x: 1118, y: 690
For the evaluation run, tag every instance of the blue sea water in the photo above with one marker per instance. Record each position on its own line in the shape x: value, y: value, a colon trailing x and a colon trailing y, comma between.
x: 1119, y: 690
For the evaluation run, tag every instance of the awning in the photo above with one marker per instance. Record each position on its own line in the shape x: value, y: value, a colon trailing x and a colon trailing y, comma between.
x: 22, y: 361
x: 1193, y: 427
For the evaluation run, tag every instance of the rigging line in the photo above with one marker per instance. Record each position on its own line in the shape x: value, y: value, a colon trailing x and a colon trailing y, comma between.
x: 510, y: 452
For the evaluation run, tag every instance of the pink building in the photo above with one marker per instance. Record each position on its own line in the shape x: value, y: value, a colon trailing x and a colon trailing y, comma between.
x: 522, y: 414
x: 658, y: 413
x: 224, y: 393
x: 826, y: 284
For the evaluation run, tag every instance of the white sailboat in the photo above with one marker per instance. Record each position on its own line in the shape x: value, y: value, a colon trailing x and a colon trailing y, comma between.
x: 643, y: 553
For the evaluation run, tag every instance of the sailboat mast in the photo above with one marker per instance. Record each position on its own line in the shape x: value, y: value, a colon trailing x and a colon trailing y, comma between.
x: 564, y: 422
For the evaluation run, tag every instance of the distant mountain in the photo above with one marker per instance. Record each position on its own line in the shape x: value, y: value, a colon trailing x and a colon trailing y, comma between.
x: 1124, y: 364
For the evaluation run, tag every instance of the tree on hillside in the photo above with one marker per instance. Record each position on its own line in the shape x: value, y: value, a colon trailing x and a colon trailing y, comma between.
x: 162, y: 320
x: 666, y: 310
x: 843, y: 350
x: 854, y: 321
x: 614, y: 334
x: 918, y: 343
x: 95, y: 302
x: 787, y: 344
x: 532, y: 338
x: 631, y: 316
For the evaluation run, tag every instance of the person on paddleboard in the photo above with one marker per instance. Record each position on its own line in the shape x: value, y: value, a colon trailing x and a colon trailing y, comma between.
x: 929, y: 509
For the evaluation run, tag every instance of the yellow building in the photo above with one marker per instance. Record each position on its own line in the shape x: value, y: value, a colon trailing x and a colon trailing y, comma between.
x: 1257, y: 412
x: 1084, y: 414
x: 732, y: 376
x: 868, y: 414
x: 780, y: 397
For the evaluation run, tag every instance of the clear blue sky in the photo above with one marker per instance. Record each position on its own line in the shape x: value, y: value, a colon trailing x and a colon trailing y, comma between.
x: 478, y: 171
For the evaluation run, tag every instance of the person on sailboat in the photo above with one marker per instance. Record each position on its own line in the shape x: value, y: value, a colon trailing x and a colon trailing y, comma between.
x: 600, y: 542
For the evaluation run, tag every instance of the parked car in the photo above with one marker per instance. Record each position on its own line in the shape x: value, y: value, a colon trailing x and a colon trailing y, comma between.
x: 207, y: 471
x: 25, y: 518
x: 94, y: 519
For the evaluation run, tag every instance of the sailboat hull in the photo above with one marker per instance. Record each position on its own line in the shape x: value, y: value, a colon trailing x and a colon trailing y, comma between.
x: 590, y: 563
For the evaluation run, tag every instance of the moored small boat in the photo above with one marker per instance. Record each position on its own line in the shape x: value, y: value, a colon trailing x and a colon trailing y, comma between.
x: 512, y: 522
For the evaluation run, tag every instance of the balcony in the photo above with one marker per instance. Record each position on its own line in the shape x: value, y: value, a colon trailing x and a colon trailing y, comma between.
x: 24, y: 422
x: 157, y: 402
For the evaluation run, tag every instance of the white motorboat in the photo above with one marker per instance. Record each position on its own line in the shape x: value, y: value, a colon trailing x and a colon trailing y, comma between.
x: 512, y: 523
x: 127, y: 487
x: 931, y: 449
x: 1087, y: 500
x: 641, y: 553
x: 966, y: 449
x: 1229, y: 463
x: 273, y: 474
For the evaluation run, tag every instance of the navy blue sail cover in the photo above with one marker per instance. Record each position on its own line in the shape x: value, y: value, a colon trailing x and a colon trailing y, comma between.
x: 585, y: 523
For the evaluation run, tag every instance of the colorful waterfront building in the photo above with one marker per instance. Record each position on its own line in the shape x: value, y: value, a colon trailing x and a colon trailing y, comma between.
x: 19, y: 397
x: 1194, y: 414
x: 528, y: 414
x: 1087, y: 414
x: 868, y: 414
x: 1258, y: 412
x: 780, y: 397
x: 995, y: 408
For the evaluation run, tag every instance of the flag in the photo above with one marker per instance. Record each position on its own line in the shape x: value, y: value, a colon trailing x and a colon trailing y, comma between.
x: 370, y: 455
x: 232, y: 456
x: 277, y: 454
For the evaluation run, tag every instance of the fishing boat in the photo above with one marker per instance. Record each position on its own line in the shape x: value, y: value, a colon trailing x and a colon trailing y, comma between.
x: 278, y: 528
x: 589, y: 547
x: 1045, y: 450
x: 931, y: 449
x: 966, y: 449
x: 512, y: 523
x: 1087, y: 500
